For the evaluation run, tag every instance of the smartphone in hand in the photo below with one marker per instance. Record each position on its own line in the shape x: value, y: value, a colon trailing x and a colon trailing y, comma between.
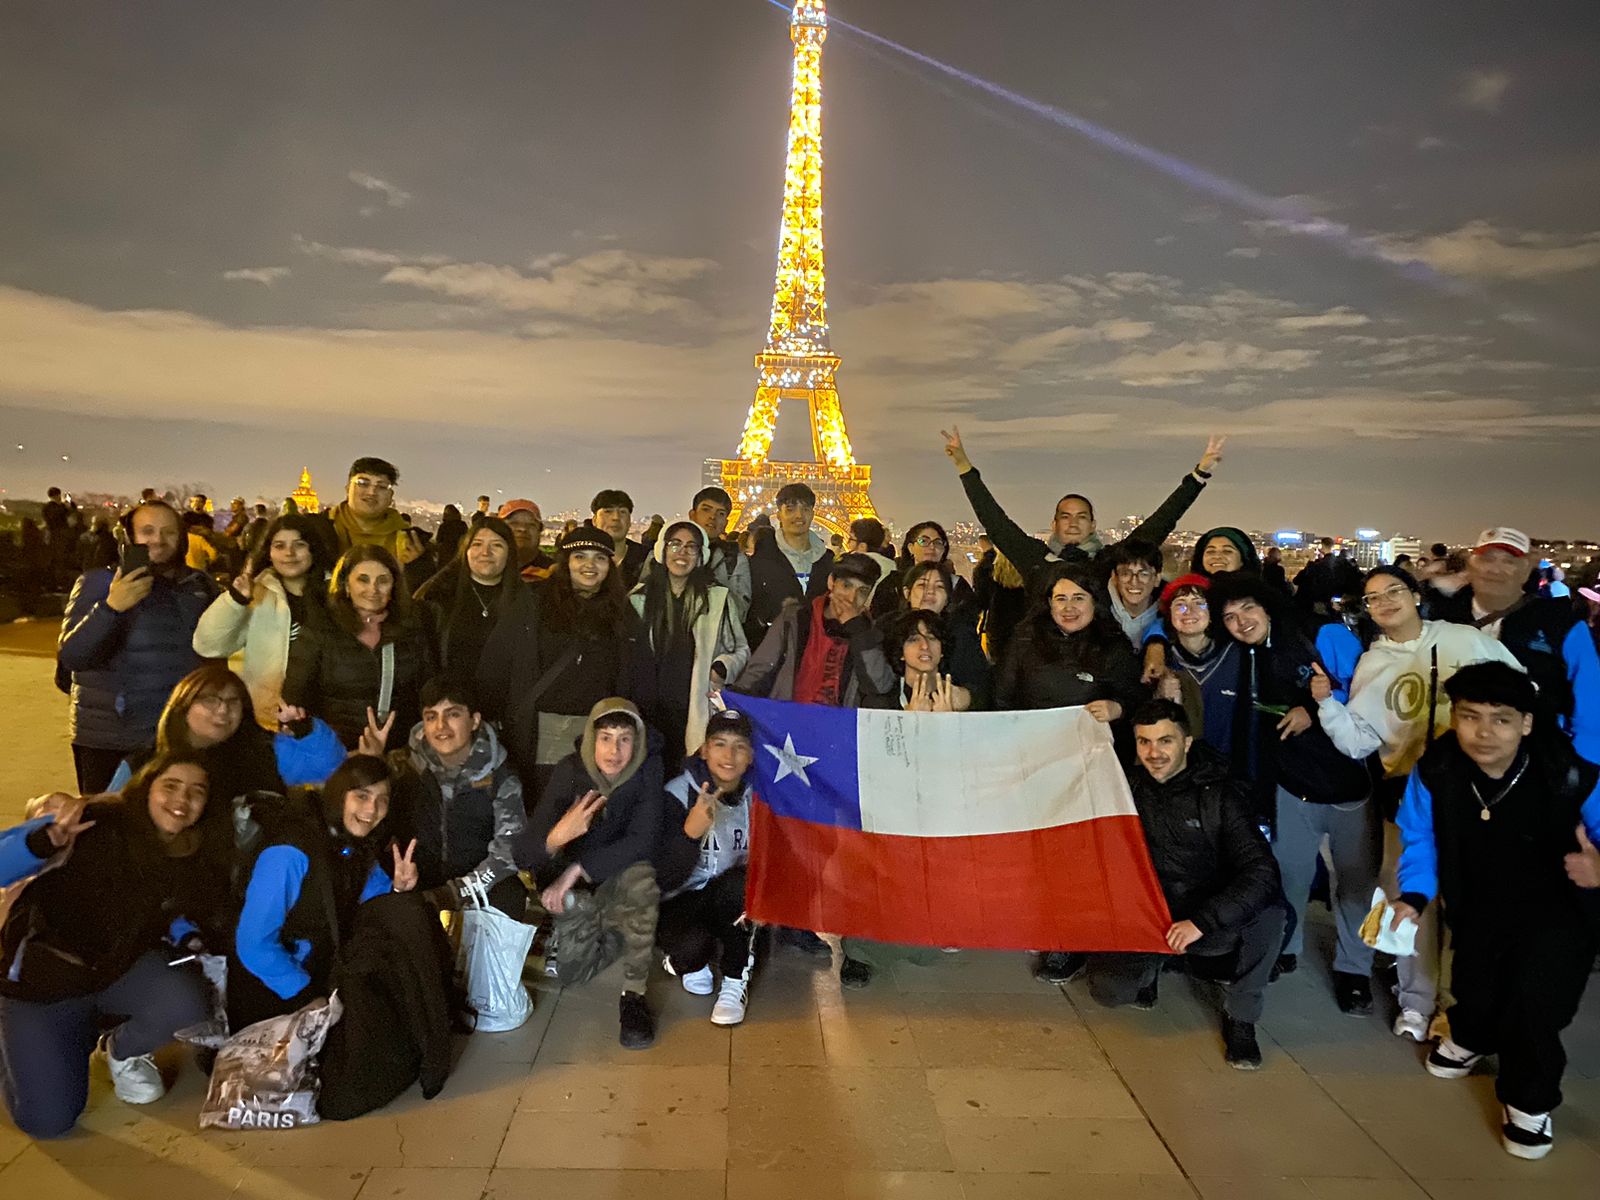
x: 134, y: 555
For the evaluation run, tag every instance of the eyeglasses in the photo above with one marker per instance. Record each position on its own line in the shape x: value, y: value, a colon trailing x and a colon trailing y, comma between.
x: 927, y: 540
x: 213, y: 703
x: 1190, y: 608
x: 1389, y: 595
x: 679, y: 546
x: 363, y: 484
x: 1130, y: 575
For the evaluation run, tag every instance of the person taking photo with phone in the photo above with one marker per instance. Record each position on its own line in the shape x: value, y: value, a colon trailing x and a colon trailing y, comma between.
x: 126, y: 639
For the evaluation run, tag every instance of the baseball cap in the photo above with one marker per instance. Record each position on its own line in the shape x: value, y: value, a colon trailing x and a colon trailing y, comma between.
x: 729, y: 720
x: 516, y: 506
x: 857, y: 566
x: 1503, y: 537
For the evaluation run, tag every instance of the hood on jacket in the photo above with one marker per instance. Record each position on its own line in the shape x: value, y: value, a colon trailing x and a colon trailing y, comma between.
x: 1241, y: 541
x: 641, y: 747
x: 485, y: 757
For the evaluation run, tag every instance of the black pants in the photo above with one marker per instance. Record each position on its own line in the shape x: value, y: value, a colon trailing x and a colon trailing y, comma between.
x: 95, y: 767
x: 693, y: 924
x: 1240, y: 957
x: 1515, y: 992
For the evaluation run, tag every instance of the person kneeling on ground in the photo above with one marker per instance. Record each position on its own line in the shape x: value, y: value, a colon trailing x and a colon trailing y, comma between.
x: 702, y: 864
x: 463, y: 799
x: 319, y: 857
x: 1216, y: 871
x: 1499, y: 819
x: 590, y: 844
x: 66, y: 965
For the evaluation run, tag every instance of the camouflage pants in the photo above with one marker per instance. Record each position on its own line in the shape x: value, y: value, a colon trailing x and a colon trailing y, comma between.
x: 615, y: 921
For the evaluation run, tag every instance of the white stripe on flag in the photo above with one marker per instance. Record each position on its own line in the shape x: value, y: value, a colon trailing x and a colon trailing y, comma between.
x: 958, y: 775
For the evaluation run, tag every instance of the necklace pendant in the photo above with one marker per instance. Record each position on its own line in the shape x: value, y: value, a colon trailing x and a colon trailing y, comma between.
x: 1484, y: 815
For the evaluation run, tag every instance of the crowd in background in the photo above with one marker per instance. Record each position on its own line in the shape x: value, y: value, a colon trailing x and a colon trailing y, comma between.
x: 417, y: 722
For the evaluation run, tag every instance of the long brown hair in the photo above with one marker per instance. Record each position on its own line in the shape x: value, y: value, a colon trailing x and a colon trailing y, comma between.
x: 400, y: 610
x: 172, y: 729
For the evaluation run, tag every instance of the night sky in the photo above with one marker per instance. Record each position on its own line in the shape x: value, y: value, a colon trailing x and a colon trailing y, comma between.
x: 527, y: 247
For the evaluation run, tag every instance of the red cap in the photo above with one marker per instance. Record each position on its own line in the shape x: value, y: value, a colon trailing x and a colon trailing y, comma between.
x: 1170, y: 592
x: 516, y: 506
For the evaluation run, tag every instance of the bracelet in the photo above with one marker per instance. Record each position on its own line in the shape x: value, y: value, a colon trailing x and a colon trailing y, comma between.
x: 1199, y: 474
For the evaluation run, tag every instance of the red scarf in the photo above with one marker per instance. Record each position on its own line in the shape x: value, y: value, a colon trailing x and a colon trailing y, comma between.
x: 819, y: 679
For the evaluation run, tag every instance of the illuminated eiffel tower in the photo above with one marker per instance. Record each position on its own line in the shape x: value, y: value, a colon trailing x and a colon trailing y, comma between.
x: 796, y: 363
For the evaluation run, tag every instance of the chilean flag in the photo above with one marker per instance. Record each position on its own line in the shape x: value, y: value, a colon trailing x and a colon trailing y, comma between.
x: 1006, y: 830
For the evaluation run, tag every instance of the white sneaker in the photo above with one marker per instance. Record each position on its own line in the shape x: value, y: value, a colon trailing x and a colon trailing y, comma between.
x: 135, y: 1080
x: 729, y: 1009
x: 1527, y: 1135
x: 700, y: 983
x: 1412, y: 1024
x: 551, y: 971
x: 1450, y: 1061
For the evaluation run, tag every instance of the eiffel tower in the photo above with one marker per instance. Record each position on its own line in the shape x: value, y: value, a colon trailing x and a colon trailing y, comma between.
x: 797, y: 363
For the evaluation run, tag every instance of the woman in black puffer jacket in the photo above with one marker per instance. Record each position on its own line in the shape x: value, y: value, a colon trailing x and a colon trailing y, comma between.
x: 1070, y: 651
x: 368, y: 651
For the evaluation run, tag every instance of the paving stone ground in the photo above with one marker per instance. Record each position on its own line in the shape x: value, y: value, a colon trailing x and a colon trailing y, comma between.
x: 963, y: 1080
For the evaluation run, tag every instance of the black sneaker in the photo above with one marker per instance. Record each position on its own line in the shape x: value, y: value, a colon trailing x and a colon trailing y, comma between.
x: 1240, y: 1048
x: 1527, y: 1135
x: 1286, y: 965
x: 1060, y: 966
x: 1145, y: 999
x: 855, y: 974
x: 638, y: 1022
x: 806, y: 942
x: 1353, y: 994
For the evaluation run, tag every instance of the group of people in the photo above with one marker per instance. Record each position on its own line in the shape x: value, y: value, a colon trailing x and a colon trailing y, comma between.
x: 572, y: 718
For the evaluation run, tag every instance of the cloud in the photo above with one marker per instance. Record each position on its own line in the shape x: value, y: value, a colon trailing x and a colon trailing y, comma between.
x: 1429, y: 142
x: 1188, y: 362
x: 1482, y: 250
x: 1334, y: 318
x: 362, y: 256
x: 393, y: 196
x: 81, y: 359
x: 267, y: 276
x: 1245, y: 252
x: 606, y: 284
x: 1483, y: 90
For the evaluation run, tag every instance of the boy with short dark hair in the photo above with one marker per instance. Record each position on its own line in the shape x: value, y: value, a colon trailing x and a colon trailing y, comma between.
x: 701, y: 865
x: 591, y: 844
x: 1499, y: 818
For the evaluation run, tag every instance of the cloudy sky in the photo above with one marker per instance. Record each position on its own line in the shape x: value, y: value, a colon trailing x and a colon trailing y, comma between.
x: 527, y: 245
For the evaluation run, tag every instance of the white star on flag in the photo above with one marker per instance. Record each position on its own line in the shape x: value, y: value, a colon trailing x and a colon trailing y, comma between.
x: 789, y: 761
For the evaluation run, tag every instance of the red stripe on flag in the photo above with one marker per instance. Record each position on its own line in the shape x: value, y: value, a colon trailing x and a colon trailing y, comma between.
x: 1089, y: 885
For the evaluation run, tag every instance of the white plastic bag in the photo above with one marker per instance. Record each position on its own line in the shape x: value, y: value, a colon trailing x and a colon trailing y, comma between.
x: 494, y: 948
x: 1376, y: 931
x: 265, y: 1076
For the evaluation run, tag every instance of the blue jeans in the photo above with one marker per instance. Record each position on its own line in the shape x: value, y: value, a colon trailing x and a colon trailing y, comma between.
x: 45, y: 1048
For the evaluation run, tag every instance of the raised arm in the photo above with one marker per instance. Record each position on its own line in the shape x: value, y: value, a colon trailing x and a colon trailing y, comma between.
x: 1026, y: 553
x: 1158, y: 526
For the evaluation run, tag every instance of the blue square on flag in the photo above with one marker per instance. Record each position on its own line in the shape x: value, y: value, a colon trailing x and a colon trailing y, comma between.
x: 805, y: 760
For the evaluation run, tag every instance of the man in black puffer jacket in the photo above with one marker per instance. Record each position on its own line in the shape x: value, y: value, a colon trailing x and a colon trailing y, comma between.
x: 1217, y: 873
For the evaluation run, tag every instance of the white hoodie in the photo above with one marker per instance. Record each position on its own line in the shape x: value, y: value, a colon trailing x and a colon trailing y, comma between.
x: 1387, y: 709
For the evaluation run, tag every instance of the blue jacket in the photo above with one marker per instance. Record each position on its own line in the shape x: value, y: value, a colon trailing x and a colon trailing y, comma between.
x: 119, y: 668
x: 1420, y: 871
x: 274, y: 890
x: 17, y: 862
x: 1339, y: 649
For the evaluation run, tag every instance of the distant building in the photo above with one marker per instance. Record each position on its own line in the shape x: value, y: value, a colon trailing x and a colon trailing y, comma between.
x: 305, y: 496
